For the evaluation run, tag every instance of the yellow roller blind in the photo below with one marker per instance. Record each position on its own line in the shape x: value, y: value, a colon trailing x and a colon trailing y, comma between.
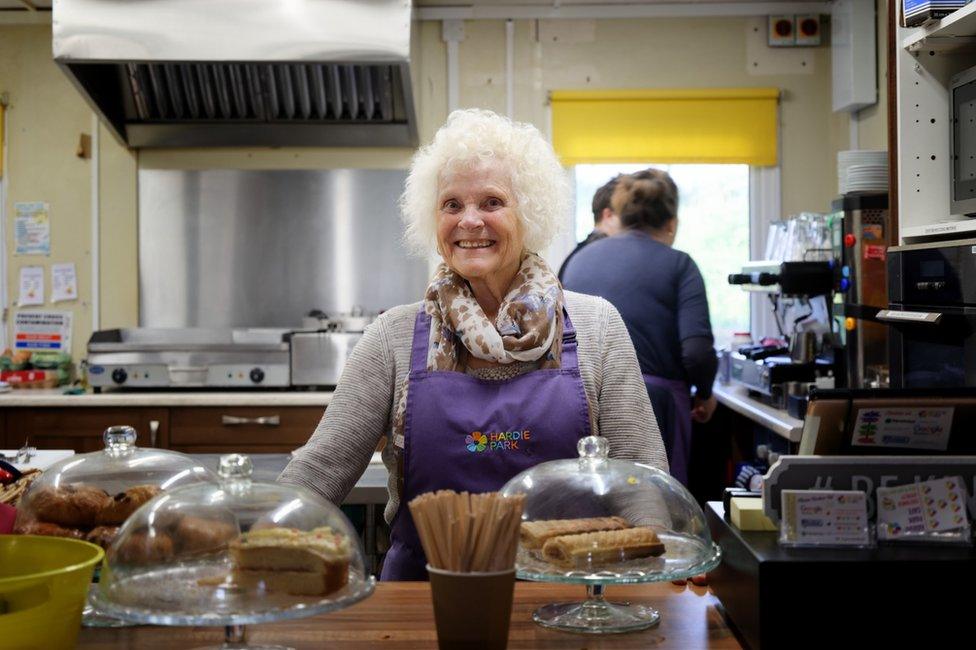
x: 713, y: 125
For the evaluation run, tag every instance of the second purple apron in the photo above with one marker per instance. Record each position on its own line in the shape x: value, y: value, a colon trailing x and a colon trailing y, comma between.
x: 467, y: 434
x: 675, y: 433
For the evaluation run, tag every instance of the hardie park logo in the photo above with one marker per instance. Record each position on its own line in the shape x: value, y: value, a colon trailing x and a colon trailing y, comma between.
x: 496, y: 441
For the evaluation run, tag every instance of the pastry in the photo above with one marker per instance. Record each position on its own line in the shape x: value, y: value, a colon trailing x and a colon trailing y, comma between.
x: 71, y: 506
x: 198, y: 535
x: 605, y: 547
x: 145, y: 548
x: 296, y: 583
x: 45, y: 528
x: 124, y: 504
x: 534, y: 534
x: 102, y: 535
x: 314, y: 563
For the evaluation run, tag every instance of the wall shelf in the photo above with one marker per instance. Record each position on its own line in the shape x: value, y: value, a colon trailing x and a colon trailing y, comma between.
x: 943, y: 230
x: 960, y: 23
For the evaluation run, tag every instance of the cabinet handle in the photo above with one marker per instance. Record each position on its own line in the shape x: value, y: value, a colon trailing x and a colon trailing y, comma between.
x: 153, y: 431
x: 264, y: 420
x: 900, y: 316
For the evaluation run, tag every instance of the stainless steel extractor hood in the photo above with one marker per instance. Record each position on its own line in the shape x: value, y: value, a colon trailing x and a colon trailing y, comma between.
x: 193, y: 73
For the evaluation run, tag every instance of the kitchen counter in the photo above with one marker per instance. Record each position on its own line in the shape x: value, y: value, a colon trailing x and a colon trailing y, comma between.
x: 54, y: 398
x: 737, y: 398
x: 400, y: 615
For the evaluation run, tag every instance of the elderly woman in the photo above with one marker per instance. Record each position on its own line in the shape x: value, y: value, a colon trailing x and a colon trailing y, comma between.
x: 498, y: 368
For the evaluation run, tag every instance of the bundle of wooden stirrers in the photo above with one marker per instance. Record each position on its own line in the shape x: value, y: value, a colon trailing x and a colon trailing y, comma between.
x: 468, y: 532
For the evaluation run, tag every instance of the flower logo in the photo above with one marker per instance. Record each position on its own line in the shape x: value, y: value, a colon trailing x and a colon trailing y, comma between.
x: 477, y: 441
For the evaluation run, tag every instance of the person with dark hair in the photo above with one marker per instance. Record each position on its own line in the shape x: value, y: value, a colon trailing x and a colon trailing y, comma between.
x: 660, y: 293
x: 605, y: 222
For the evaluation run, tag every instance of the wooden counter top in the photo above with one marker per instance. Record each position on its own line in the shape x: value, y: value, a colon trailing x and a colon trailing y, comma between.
x: 400, y: 615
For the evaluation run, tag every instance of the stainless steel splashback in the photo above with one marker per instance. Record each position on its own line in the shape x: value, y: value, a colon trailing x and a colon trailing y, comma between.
x: 224, y: 248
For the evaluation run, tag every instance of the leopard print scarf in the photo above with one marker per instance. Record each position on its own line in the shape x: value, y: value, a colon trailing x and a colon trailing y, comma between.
x: 528, y: 326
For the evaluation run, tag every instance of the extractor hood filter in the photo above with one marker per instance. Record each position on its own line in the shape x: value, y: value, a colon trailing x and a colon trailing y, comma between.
x: 297, y: 73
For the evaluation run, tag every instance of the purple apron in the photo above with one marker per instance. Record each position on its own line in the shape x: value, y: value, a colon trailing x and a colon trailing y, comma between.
x: 466, y: 434
x: 676, y: 430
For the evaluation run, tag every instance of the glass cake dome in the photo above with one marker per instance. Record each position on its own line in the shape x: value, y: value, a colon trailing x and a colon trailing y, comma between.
x: 597, y: 521
x: 233, y: 553
x: 89, y: 496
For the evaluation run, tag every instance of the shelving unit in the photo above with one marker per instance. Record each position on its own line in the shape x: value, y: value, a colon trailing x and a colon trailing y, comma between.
x: 926, y: 61
x: 958, y: 24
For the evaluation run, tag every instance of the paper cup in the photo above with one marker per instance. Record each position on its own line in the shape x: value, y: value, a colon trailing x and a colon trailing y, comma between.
x: 472, y: 610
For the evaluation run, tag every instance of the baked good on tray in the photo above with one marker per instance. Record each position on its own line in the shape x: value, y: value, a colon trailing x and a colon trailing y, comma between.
x: 533, y: 534
x: 196, y: 535
x: 71, y: 506
x: 588, y: 550
x: 102, y: 535
x: 145, y: 547
x: 313, y: 563
x: 45, y: 528
x: 123, y: 504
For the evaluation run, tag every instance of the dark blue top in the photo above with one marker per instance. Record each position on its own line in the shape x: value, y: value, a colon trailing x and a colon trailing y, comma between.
x: 658, y: 291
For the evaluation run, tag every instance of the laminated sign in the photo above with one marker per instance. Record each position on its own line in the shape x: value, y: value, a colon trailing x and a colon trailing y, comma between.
x: 909, y: 428
x: 42, y: 330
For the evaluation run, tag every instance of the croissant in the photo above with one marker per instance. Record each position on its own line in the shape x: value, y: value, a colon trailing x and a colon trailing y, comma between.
x: 533, y: 534
x: 603, y: 547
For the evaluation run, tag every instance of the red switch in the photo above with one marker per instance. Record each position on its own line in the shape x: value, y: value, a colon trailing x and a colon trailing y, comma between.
x: 850, y: 240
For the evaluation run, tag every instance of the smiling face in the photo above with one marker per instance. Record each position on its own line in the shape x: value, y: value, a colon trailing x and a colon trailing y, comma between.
x: 478, y: 232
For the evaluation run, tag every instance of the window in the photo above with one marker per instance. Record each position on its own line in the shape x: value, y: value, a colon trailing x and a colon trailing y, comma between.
x: 713, y: 227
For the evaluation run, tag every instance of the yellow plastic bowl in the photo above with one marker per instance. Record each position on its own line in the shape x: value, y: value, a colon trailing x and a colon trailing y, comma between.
x: 43, y: 586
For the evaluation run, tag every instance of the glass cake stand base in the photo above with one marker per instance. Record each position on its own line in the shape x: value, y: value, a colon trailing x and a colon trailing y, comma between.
x: 596, y: 615
x: 235, y: 638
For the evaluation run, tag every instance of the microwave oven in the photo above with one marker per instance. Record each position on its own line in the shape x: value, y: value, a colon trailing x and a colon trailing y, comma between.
x: 962, y: 118
x: 932, y: 315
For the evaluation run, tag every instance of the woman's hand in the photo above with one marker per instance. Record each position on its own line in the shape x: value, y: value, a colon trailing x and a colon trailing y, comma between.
x: 702, y: 409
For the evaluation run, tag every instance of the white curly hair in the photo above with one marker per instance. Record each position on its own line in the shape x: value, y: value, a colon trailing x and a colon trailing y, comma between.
x: 470, y: 136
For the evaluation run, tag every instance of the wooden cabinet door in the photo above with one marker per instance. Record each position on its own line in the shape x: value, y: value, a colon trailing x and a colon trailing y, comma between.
x: 81, y: 428
x: 236, y: 429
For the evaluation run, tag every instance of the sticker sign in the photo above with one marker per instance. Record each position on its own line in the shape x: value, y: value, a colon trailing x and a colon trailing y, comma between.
x: 934, y: 506
x: 42, y: 330
x: 823, y: 517
x: 32, y: 229
x: 909, y: 428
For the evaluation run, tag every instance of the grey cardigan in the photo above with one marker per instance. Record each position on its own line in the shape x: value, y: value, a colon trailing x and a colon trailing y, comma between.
x: 361, y: 410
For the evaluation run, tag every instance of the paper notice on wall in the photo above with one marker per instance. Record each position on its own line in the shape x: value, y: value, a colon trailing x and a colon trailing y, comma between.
x: 64, y: 282
x: 42, y: 330
x: 31, y: 286
x: 32, y: 228
x: 911, y: 428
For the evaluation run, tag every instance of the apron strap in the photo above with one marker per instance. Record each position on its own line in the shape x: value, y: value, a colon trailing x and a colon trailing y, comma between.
x: 421, y: 340
x: 570, y: 358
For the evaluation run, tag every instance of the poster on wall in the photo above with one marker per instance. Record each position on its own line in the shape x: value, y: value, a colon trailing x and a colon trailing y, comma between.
x: 31, y: 286
x: 64, y: 282
x: 42, y: 330
x: 32, y: 228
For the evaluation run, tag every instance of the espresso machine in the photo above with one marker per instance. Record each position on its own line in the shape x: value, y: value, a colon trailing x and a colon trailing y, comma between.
x: 779, y: 371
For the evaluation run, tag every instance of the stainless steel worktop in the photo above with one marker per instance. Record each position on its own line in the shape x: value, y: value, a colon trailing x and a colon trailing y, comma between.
x: 55, y: 399
x: 780, y: 422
